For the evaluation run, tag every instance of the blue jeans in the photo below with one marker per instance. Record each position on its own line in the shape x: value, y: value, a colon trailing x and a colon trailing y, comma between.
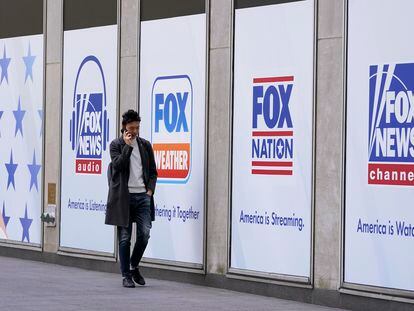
x: 139, y: 204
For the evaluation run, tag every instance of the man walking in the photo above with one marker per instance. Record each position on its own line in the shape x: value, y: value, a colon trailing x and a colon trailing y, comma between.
x: 132, y: 176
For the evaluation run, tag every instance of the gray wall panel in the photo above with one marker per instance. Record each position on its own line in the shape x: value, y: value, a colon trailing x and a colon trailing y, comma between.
x: 241, y: 4
x: 80, y: 14
x: 157, y: 9
x: 21, y: 18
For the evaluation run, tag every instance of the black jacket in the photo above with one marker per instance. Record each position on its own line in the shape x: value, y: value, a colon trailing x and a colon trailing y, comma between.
x: 117, y: 208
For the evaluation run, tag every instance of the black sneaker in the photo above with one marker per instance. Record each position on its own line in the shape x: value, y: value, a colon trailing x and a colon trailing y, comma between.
x: 138, y: 277
x: 127, y: 282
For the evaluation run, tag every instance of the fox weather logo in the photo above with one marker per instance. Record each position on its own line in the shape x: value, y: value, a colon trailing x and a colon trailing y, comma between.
x: 391, y: 124
x: 89, y: 125
x: 171, y: 127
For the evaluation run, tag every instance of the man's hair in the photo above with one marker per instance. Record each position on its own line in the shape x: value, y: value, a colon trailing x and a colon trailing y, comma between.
x: 130, y: 116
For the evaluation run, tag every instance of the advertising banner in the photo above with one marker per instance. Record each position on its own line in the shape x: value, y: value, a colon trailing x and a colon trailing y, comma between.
x: 88, y: 126
x: 21, y: 123
x: 379, y: 220
x: 272, y: 139
x: 172, y: 107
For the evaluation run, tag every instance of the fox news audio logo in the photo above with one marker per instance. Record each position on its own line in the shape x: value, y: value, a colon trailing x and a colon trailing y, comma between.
x: 89, y: 125
x: 171, y: 127
x: 272, y: 127
x: 391, y: 124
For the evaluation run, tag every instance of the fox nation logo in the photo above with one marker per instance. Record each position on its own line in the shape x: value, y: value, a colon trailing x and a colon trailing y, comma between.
x: 391, y: 124
x: 272, y: 126
x: 89, y: 125
x: 171, y: 127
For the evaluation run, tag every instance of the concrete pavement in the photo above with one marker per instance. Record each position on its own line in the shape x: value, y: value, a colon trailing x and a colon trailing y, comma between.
x: 29, y: 285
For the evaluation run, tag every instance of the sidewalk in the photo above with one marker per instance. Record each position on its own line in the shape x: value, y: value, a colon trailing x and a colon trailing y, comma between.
x: 28, y: 285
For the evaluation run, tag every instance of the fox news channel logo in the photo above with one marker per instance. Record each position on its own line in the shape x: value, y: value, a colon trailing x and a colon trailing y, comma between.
x: 391, y: 124
x: 89, y: 125
x: 171, y: 127
x: 272, y: 126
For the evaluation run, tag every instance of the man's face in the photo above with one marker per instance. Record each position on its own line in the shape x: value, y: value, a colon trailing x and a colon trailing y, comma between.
x: 133, y: 129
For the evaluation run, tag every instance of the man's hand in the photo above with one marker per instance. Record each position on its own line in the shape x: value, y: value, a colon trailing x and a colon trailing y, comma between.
x: 149, y: 192
x: 127, y: 137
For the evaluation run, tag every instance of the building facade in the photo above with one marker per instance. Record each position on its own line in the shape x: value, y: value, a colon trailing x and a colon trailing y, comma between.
x: 282, y: 133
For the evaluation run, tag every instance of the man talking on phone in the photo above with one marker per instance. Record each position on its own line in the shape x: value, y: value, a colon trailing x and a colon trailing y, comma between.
x: 132, y: 176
